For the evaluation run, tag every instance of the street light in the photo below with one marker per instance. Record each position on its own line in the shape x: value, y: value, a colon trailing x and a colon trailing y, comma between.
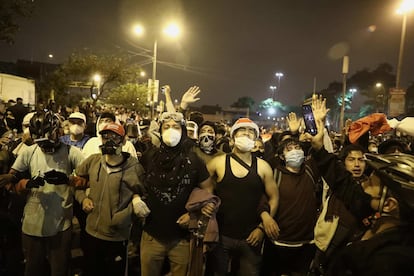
x: 273, y: 88
x: 96, y: 85
x: 278, y: 76
x: 380, y: 97
x: 405, y: 8
x: 171, y: 30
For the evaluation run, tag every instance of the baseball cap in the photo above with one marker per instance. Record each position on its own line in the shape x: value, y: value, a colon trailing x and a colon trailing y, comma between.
x: 244, y: 122
x: 115, y: 128
x: 77, y: 115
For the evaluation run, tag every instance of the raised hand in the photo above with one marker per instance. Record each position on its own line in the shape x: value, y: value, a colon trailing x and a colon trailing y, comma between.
x: 319, y: 107
x: 293, y: 122
x: 190, y: 96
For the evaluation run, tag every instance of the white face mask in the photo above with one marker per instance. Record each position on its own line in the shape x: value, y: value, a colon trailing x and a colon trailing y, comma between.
x: 244, y: 143
x: 294, y: 158
x: 171, y: 137
x: 76, y: 129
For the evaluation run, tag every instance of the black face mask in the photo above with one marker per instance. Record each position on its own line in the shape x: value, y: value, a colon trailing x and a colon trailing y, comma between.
x: 111, y: 148
x: 11, y: 123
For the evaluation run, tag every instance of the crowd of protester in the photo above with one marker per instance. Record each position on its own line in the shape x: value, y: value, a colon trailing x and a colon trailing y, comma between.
x: 186, y: 196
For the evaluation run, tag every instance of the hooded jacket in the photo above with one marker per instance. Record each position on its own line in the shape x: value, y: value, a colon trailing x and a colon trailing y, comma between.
x: 111, y: 191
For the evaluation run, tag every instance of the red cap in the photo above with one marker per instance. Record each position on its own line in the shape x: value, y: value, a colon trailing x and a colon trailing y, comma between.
x: 115, y: 128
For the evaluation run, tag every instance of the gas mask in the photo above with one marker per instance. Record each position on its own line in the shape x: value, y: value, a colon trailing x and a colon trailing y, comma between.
x: 244, y: 143
x: 110, y: 148
x: 206, y: 141
x: 294, y: 158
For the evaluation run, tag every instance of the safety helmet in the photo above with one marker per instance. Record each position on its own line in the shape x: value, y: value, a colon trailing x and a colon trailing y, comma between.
x: 44, y: 128
x: 396, y: 171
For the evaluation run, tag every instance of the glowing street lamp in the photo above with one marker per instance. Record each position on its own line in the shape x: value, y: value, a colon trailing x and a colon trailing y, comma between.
x: 95, y: 88
x: 405, y: 8
x: 380, y: 97
x: 171, y: 30
x: 273, y: 88
x: 278, y: 76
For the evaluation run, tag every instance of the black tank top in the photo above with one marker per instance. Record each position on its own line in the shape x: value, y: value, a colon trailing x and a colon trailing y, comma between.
x: 240, y: 198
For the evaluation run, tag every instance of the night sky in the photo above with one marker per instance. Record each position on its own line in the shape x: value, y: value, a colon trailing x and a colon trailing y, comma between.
x: 229, y: 48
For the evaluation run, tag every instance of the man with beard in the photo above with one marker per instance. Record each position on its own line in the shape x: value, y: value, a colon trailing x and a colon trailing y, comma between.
x: 242, y: 179
x: 172, y: 172
x: 206, y: 148
x: 114, y: 180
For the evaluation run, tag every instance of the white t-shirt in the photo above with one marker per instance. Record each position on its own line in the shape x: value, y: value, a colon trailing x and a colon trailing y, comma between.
x: 48, y: 209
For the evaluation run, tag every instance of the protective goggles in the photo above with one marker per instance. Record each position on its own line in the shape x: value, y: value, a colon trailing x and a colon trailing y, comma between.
x: 176, y: 116
x: 109, y: 135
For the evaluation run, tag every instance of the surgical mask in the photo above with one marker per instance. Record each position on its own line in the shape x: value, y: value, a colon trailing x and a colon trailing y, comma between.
x: 206, y: 141
x: 76, y: 129
x: 244, y: 143
x: 110, y: 148
x: 171, y: 137
x: 294, y: 158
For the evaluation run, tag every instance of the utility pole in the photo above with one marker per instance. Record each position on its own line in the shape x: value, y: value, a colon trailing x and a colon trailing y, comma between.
x: 345, y: 66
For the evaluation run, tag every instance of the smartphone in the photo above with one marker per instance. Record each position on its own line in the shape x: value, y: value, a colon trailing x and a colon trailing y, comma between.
x: 309, y: 120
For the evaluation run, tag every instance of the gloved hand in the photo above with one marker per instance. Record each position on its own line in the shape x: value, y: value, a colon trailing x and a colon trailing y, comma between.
x: 55, y: 177
x: 140, y: 207
x: 35, y: 182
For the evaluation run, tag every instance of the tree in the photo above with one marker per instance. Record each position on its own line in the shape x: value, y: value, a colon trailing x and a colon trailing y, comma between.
x: 365, y: 82
x: 244, y: 102
x: 131, y: 95
x: 114, y: 70
x: 10, y: 12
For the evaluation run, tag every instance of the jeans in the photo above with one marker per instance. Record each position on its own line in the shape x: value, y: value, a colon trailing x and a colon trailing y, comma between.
x: 56, y: 249
x: 228, y: 250
x: 153, y: 253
